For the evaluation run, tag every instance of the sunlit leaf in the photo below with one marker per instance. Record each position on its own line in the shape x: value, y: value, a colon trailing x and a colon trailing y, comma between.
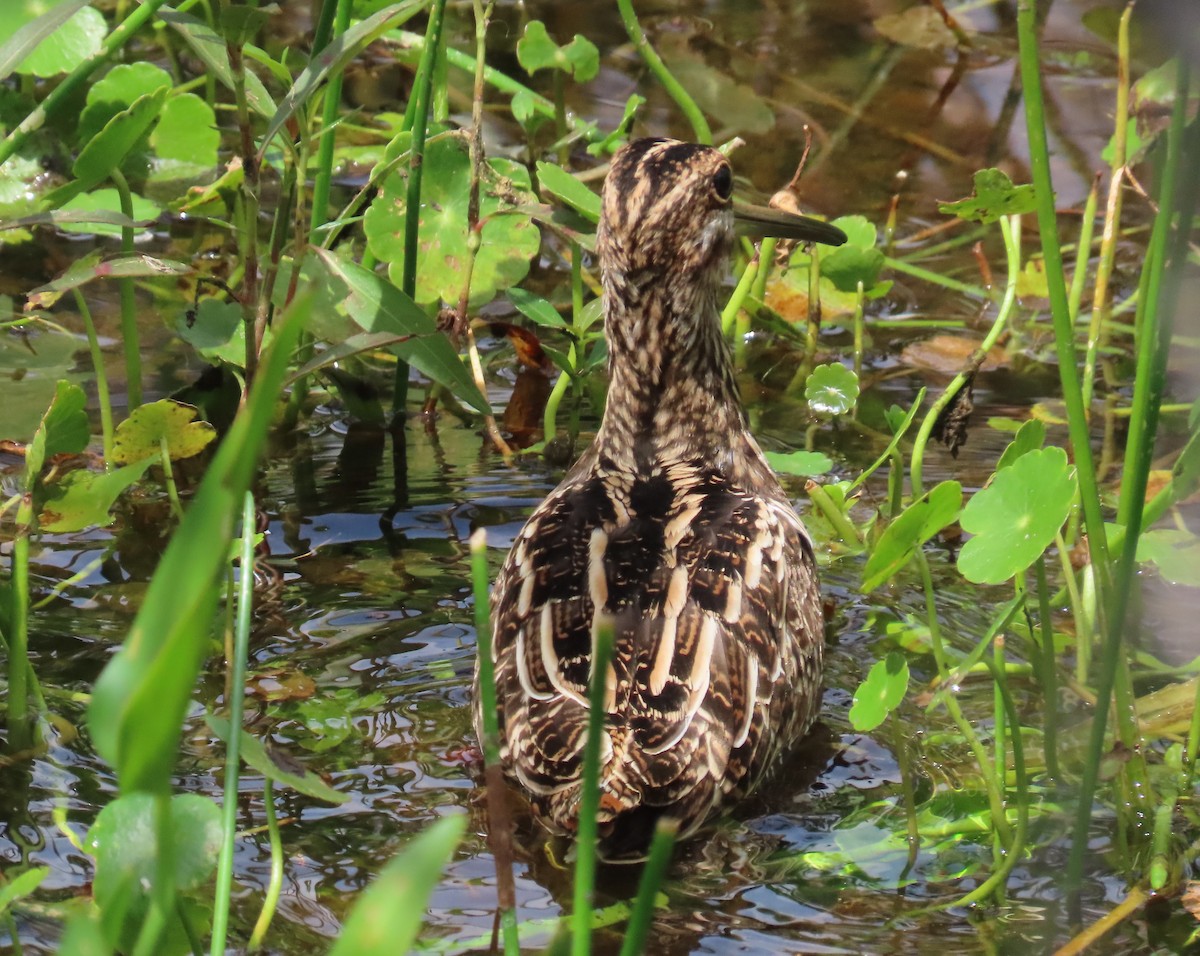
x: 536, y: 309
x: 1014, y: 519
x: 880, y: 693
x: 831, y: 389
x: 994, y: 196
x: 536, y: 51
x: 508, y: 238
x: 919, y: 522
x: 804, y: 463
x: 141, y: 434
x: 1030, y: 437
x: 187, y: 131
x: 17, y: 887
x: 118, y: 90
x: 566, y: 188
x: 208, y: 45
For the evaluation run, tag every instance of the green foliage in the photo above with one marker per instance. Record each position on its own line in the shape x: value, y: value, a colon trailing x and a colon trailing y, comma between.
x: 803, y: 463
x: 536, y: 51
x: 84, y: 499
x: 1015, y: 518
x: 64, y: 47
x: 858, y: 260
x: 919, y: 522
x: 162, y: 424
x: 256, y: 755
x: 994, y: 196
x: 880, y: 693
x: 831, y: 390
x: 506, y: 242
x: 63, y: 431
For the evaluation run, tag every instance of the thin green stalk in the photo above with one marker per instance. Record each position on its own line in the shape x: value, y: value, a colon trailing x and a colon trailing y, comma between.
x: 841, y: 524
x: 1000, y: 742
x: 673, y: 87
x: 734, y: 317
x: 995, y: 797
x: 275, y: 884
x: 589, y: 793
x: 561, y: 384
x: 766, y: 255
x: 65, y: 92
x: 653, y: 872
x: 18, y: 632
x: 323, y: 176
x: 499, y: 818
x: 169, y: 477
x: 1097, y: 332
x: 129, y: 329
x: 1010, y: 229
x: 235, y: 700
x: 1193, y: 744
x: 417, y: 120
x: 917, y: 272
x: 859, y: 309
x: 1047, y: 672
x: 1082, y: 250
x: 102, y: 395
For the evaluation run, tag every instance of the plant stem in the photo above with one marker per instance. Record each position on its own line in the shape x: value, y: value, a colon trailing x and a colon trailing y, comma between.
x: 129, y: 329
x: 1047, y: 672
x: 673, y: 87
x: 323, y: 176
x: 169, y: 477
x: 275, y: 883
x: 235, y: 702
x: 18, y: 630
x: 102, y: 395
x: 1010, y: 229
x: 499, y: 817
x: 589, y: 792
x: 652, y: 876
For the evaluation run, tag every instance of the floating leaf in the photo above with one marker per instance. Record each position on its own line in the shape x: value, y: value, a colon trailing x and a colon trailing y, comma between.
x: 919, y: 522
x: 1176, y: 554
x: 84, y: 499
x: 831, y: 389
x: 880, y: 693
x: 1014, y: 519
x: 994, y: 196
x: 508, y: 239
x: 803, y: 463
x: 255, y: 754
x: 141, y: 434
x: 921, y: 27
x: 187, y: 131
x: 212, y: 328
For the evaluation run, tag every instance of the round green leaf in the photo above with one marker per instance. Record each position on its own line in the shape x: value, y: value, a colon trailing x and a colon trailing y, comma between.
x: 831, y: 389
x: 508, y: 239
x: 1014, y: 519
x: 804, y: 463
x: 75, y: 41
x: 880, y: 693
x: 124, y: 841
x: 116, y: 91
x: 140, y: 435
x: 187, y: 131
x: 1175, y: 552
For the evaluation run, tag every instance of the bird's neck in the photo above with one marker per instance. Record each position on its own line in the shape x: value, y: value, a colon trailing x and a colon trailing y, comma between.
x: 672, y: 393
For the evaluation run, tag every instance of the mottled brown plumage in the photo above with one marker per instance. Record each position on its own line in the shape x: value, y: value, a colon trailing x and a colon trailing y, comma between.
x: 673, y: 524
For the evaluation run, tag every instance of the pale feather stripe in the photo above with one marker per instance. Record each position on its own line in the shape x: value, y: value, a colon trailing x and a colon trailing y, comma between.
x: 733, y: 602
x: 523, y: 671
x: 550, y: 659
x: 525, y: 597
x: 597, y: 576
x: 751, y: 700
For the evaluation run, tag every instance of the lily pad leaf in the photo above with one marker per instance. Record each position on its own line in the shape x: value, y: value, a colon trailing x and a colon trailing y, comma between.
x: 1030, y: 437
x: 124, y: 841
x: 880, y: 693
x: 1176, y: 554
x: 293, y: 775
x: 1014, y: 519
x: 84, y: 499
x: 61, y: 48
x: 803, y: 463
x: 831, y: 389
x: 142, y: 433
x: 919, y: 522
x: 508, y: 239
x: 995, y: 196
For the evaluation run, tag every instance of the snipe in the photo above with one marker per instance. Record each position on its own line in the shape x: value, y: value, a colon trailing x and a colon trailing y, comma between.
x: 672, y: 523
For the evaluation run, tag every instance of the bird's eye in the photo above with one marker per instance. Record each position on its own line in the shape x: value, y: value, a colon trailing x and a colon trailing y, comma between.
x: 723, y: 182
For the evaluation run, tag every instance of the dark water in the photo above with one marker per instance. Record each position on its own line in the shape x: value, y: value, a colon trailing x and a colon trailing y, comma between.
x: 362, y: 659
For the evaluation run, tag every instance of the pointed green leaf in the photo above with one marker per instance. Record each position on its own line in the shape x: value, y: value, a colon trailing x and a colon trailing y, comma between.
x: 84, y: 499
x: 254, y: 752
x: 919, y: 522
x: 64, y: 429
x: 880, y: 693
